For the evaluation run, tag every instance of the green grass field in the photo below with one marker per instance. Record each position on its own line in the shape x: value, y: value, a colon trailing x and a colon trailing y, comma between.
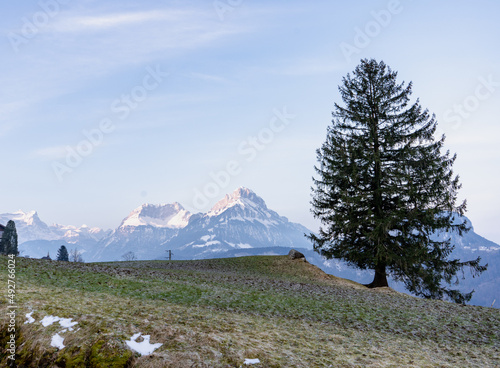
x: 217, y: 313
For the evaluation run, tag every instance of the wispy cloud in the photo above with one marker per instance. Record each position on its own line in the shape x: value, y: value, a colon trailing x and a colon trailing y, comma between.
x: 50, y: 153
x: 94, y: 46
x: 77, y: 23
x: 208, y: 77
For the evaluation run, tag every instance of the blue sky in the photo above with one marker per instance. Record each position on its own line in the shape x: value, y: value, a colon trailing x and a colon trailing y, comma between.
x: 106, y: 105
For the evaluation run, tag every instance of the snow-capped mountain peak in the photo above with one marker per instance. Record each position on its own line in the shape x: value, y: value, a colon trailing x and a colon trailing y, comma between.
x: 240, y: 220
x: 29, y: 226
x: 172, y: 216
x: 74, y: 234
x: 29, y: 218
x: 242, y: 197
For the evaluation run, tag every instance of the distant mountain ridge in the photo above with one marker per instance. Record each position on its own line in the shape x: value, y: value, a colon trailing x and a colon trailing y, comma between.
x: 237, y: 225
x: 238, y: 221
x: 143, y: 231
x: 31, y: 228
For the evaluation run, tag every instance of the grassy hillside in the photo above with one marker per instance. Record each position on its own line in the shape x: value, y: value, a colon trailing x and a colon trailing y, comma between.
x: 216, y: 313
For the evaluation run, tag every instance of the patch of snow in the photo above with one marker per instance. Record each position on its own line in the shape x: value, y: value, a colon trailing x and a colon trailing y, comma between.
x: 217, y: 250
x: 48, y: 320
x: 251, y: 361
x: 488, y: 249
x: 30, y: 319
x: 244, y: 246
x: 213, y: 242
x: 57, y: 341
x: 29, y: 226
x: 207, y: 237
x: 66, y: 323
x: 172, y: 216
x: 207, y: 244
x: 180, y: 220
x: 144, y: 347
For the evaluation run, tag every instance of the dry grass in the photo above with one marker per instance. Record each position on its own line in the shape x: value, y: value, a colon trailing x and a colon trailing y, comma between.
x: 360, y: 328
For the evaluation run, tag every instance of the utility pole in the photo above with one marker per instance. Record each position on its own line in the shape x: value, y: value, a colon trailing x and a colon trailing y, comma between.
x: 169, y: 255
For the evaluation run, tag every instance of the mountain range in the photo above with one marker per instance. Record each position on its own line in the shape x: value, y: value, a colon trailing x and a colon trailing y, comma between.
x: 239, y: 224
x: 240, y: 220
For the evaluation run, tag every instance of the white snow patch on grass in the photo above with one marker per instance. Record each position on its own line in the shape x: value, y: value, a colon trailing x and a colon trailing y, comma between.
x: 30, y: 318
x: 251, y: 361
x: 48, y: 320
x: 57, y: 341
x: 144, y: 347
x: 64, y: 322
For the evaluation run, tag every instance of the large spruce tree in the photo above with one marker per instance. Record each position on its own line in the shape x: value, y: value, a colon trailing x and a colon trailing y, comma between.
x: 8, y: 242
x: 384, y: 188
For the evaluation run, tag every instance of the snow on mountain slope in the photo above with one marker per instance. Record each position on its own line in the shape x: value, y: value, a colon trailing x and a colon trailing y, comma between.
x: 240, y: 220
x: 172, y: 216
x: 30, y: 227
x: 36, y: 238
x: 73, y: 234
x: 143, y: 232
x: 248, y: 204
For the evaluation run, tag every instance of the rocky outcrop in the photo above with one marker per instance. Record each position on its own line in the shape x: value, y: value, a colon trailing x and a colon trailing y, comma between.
x: 293, y: 254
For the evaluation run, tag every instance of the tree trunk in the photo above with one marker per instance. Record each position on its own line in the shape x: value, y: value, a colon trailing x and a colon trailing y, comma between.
x: 380, y: 279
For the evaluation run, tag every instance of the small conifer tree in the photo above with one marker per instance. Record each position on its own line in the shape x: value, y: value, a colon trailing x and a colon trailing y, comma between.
x: 62, y: 254
x: 8, y: 243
